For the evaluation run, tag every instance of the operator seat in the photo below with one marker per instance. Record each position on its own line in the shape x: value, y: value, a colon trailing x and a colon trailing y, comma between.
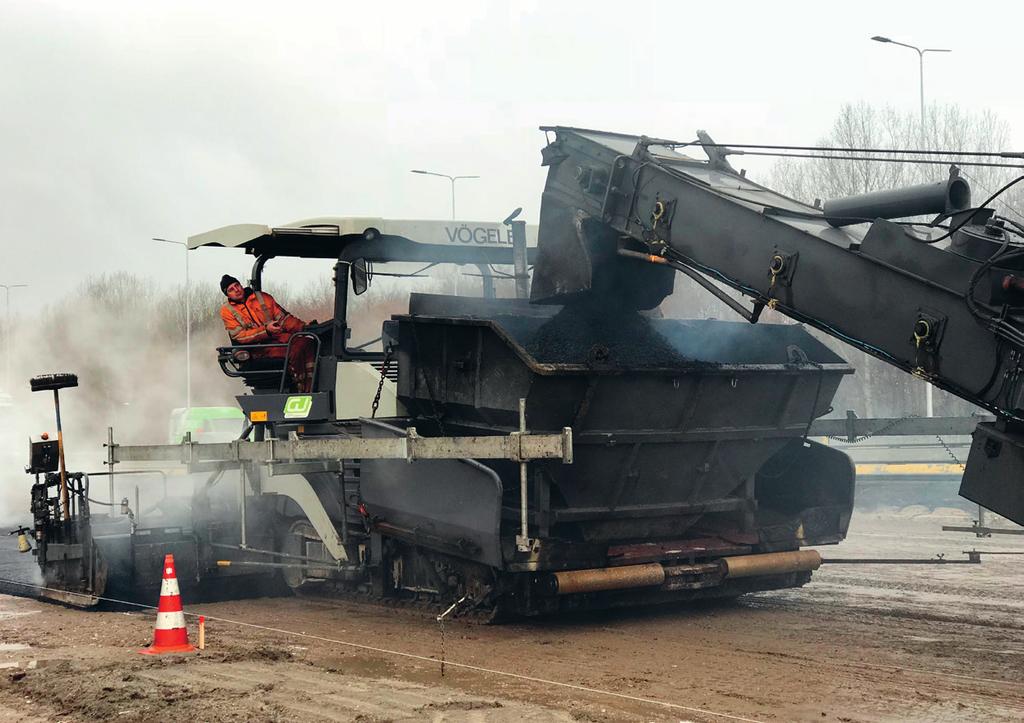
x: 263, y: 375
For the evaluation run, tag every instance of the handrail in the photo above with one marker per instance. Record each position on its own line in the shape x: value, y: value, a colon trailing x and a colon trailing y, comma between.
x: 225, y: 356
x: 288, y: 351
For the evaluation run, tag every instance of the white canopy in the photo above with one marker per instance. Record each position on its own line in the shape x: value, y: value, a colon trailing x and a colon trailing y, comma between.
x: 334, y: 228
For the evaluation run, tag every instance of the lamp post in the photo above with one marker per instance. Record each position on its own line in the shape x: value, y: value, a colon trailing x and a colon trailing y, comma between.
x: 7, y: 329
x: 485, y: 272
x: 188, y: 325
x: 920, y: 58
x: 453, y: 179
x: 928, y: 401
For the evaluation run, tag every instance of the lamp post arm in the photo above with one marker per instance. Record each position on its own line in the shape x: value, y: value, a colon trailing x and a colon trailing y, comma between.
x: 188, y: 322
x: 905, y: 45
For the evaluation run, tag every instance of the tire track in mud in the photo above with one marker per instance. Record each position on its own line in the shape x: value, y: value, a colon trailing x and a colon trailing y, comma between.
x: 316, y: 694
x: 877, y: 608
x: 601, y: 663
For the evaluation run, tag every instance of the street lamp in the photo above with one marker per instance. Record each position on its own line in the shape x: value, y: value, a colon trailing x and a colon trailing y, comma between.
x: 453, y: 179
x: 920, y: 58
x: 484, y: 271
x: 929, y: 408
x: 7, y: 328
x: 188, y: 325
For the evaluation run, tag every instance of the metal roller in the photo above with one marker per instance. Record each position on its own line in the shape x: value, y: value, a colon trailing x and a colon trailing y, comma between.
x: 608, y: 578
x: 771, y: 563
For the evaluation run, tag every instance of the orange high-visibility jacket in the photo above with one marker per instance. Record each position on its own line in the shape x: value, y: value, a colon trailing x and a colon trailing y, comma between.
x: 246, y: 322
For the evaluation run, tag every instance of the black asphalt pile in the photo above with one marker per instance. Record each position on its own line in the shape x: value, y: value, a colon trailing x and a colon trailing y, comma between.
x: 598, y: 336
x: 607, y: 337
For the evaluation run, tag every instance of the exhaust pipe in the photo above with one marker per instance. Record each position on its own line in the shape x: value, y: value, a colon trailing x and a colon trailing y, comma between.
x: 654, y: 574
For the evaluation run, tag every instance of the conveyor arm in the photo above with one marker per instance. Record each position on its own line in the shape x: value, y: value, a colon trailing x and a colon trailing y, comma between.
x: 621, y: 213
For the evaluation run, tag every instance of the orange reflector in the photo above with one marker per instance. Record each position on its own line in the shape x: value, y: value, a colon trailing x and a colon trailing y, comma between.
x: 257, y: 416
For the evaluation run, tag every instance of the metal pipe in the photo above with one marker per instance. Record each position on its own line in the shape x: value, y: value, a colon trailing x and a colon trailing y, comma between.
x: 981, y: 531
x: 287, y: 355
x: 655, y: 574
x: 162, y: 473
x: 486, y: 281
x: 253, y: 563
x: 60, y: 454
x: 519, y: 259
x: 138, y: 507
x: 608, y: 578
x: 347, y: 571
x: 748, y: 314
x: 254, y: 551
x: 897, y: 561
x: 188, y: 335
x: 948, y: 196
x: 340, y: 326
x: 523, y: 541
x: 111, y: 462
x: 344, y: 505
x: 8, y: 330
x: 771, y: 563
x: 241, y: 490
x: 188, y: 323
x: 256, y: 280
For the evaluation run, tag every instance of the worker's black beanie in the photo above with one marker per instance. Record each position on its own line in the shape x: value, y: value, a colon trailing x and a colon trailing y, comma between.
x: 226, y: 281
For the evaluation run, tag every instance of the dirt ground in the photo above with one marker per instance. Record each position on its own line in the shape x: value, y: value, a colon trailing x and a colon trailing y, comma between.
x: 860, y: 643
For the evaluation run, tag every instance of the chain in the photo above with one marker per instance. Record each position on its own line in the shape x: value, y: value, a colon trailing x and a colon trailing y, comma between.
x: 380, y: 385
x: 880, y: 431
x: 950, y: 452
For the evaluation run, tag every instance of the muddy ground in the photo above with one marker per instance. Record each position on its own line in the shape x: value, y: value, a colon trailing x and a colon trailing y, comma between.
x: 860, y: 643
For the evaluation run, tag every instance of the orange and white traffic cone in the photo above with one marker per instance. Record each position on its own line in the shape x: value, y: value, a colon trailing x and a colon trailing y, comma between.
x: 170, y: 635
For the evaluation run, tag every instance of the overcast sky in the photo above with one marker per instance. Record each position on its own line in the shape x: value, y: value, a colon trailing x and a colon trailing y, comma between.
x: 123, y: 121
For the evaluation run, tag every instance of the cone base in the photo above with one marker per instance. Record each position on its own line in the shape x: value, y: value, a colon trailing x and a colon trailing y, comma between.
x: 161, y: 649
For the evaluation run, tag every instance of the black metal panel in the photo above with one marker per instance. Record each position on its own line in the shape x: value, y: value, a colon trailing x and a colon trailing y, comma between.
x: 679, y: 427
x: 805, y: 491
x: 289, y: 408
x: 43, y: 457
x: 453, y: 506
x: 996, y: 455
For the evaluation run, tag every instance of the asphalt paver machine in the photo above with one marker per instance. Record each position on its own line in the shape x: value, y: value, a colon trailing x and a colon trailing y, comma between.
x: 576, y: 450
x: 519, y: 458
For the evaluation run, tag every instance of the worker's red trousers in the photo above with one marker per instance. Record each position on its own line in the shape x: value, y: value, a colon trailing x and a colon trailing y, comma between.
x: 301, y: 359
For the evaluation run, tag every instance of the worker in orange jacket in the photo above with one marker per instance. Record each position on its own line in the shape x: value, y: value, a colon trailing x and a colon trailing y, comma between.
x: 255, y: 317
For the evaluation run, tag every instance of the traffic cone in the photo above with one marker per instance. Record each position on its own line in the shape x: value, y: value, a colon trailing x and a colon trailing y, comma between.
x: 170, y: 635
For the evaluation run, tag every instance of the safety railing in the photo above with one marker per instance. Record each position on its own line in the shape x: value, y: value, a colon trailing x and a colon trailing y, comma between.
x: 231, y: 359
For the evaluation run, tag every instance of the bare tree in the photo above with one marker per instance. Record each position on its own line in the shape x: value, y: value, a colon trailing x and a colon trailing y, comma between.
x: 861, y: 125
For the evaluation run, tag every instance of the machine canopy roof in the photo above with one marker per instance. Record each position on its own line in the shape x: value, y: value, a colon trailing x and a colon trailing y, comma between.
x: 375, y: 239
